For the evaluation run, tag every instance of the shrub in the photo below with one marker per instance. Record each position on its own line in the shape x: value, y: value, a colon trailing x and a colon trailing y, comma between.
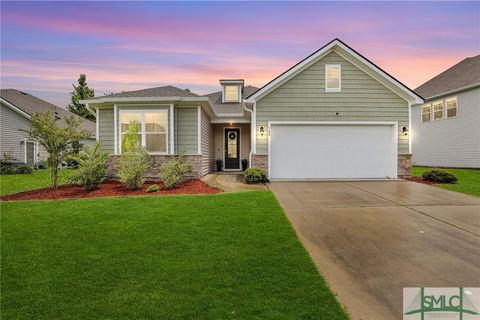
x: 6, y: 167
x: 255, y: 175
x: 439, y: 176
x: 23, y: 170
x: 92, y: 168
x: 153, y: 188
x: 171, y: 172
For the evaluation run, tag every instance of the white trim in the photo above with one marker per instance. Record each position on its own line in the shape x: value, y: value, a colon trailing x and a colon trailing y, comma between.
x: 239, y: 93
x: 254, y: 122
x: 430, y: 112
x: 152, y: 105
x: 250, y: 152
x: 455, y: 91
x: 35, y: 143
x: 115, y: 129
x: 172, y: 132
x: 15, y: 108
x: 446, y: 107
x: 229, y: 120
x: 199, y: 130
x: 409, y: 128
x: 239, y: 149
x: 433, y: 109
x: 332, y: 66
x: 392, y: 123
x: 97, y: 124
x: 314, y: 57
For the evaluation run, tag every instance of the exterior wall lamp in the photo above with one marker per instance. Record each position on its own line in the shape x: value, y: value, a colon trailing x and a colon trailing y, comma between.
x: 262, y: 131
x: 405, y: 130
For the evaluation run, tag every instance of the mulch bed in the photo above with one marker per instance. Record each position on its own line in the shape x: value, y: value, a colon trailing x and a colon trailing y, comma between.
x: 421, y: 180
x: 111, y: 188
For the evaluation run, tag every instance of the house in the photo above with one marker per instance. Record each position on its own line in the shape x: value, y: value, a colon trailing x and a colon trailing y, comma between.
x: 333, y: 115
x: 447, y: 126
x: 16, y: 109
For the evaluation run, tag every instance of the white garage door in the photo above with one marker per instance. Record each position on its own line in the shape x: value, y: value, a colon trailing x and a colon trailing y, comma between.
x: 349, y: 151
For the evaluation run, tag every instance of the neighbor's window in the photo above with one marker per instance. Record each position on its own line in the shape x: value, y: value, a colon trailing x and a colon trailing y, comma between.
x: 152, y: 129
x: 438, y: 110
x: 426, y: 112
x: 231, y: 93
x: 451, y: 106
x: 333, y: 78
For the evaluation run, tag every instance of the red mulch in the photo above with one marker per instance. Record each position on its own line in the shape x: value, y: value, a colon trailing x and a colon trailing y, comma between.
x: 421, y: 180
x: 111, y: 188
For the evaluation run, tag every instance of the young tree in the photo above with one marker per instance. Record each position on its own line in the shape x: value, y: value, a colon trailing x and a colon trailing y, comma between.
x: 57, y: 140
x: 80, y: 92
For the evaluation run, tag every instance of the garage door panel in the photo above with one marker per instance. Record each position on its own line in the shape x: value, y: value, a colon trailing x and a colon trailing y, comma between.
x: 331, y: 151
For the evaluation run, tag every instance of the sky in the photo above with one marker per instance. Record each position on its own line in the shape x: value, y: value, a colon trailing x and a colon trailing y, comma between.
x: 135, y: 45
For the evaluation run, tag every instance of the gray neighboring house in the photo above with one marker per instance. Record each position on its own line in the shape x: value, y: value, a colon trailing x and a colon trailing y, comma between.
x: 333, y: 115
x: 16, y: 108
x: 446, y: 128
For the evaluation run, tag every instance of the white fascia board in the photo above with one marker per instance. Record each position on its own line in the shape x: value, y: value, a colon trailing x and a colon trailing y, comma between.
x: 15, y: 108
x: 451, y: 92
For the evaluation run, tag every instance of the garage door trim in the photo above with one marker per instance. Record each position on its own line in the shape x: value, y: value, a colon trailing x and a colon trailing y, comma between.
x: 394, y: 125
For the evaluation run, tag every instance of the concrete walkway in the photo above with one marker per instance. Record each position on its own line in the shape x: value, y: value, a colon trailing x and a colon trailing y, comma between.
x: 371, y: 239
x: 231, y: 182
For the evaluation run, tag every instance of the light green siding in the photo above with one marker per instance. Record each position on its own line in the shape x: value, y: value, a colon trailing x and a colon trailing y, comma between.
x: 186, y: 129
x: 303, y: 98
x: 105, y: 130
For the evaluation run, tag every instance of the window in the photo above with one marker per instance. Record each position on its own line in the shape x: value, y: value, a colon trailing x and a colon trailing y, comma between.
x: 152, y: 129
x: 231, y: 93
x: 438, y: 110
x: 333, y: 78
x: 426, y: 112
x: 451, y: 106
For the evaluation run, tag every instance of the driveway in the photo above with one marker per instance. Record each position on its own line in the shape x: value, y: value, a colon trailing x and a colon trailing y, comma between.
x: 372, y: 238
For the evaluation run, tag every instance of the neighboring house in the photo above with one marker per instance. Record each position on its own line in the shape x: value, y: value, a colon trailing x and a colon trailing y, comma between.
x: 446, y: 128
x: 334, y: 115
x: 16, y: 109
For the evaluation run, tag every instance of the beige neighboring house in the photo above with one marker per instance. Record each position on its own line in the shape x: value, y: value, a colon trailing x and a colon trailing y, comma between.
x: 333, y: 115
x: 446, y: 128
x: 16, y: 108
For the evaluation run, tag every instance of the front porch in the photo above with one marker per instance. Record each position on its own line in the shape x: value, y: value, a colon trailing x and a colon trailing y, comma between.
x: 231, y: 145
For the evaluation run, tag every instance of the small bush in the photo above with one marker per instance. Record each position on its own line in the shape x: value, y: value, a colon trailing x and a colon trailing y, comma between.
x: 437, y: 175
x: 153, y: 188
x: 92, y: 168
x: 255, y: 175
x: 171, y: 172
x: 132, y: 166
x: 23, y: 170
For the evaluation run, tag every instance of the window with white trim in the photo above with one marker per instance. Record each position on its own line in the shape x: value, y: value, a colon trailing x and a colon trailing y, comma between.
x: 438, y: 110
x: 152, y: 128
x: 231, y: 93
x: 451, y: 107
x: 333, y: 78
x: 426, y: 112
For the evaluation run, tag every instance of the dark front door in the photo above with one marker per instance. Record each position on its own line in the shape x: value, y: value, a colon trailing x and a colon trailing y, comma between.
x: 232, y: 149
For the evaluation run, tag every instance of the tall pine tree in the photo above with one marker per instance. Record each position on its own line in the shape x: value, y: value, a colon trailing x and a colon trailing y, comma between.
x: 80, y: 92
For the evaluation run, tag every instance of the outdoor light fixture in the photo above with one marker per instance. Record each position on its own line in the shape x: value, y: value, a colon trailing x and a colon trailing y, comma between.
x: 405, y: 130
x: 262, y: 131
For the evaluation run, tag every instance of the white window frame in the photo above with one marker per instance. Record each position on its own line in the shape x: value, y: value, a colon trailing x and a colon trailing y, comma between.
x: 224, y: 96
x: 433, y: 110
x: 35, y: 150
x: 447, y: 108
x: 143, y: 129
x: 429, y: 104
x: 331, y: 66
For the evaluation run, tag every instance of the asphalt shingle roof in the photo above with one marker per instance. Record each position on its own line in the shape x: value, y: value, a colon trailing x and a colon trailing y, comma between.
x: 463, y: 74
x: 31, y: 104
x: 218, y: 106
x: 166, y: 91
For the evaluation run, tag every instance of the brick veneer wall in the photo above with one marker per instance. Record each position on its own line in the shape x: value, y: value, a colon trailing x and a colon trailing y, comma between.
x: 156, y: 161
x: 260, y: 161
x: 404, y: 166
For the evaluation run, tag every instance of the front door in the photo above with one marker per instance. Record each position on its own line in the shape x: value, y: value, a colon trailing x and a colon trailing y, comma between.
x: 232, y: 149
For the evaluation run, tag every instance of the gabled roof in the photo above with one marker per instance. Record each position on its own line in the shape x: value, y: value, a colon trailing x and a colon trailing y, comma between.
x: 463, y: 75
x: 28, y: 105
x: 337, y: 43
x: 220, y: 107
x: 166, y: 91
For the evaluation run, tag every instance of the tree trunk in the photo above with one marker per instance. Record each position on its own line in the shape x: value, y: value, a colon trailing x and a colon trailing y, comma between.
x: 54, y: 174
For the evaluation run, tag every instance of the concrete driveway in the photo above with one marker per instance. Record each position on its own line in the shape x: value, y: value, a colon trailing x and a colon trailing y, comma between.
x: 370, y: 239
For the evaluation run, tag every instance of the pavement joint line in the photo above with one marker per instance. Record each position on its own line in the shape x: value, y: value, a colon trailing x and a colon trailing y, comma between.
x: 422, y: 213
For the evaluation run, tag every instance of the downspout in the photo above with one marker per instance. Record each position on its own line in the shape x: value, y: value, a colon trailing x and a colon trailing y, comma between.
x: 251, y: 136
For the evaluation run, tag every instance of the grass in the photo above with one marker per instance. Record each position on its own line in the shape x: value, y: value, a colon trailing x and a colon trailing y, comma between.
x: 23, y: 182
x: 225, y: 256
x: 468, y: 179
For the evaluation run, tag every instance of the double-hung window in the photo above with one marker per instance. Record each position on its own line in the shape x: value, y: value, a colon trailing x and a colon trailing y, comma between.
x: 152, y: 128
x: 426, y: 112
x: 438, y: 110
x: 333, y: 78
x: 451, y: 106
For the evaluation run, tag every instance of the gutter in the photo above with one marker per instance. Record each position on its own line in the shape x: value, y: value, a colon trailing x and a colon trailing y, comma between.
x: 251, y: 136
x: 473, y: 86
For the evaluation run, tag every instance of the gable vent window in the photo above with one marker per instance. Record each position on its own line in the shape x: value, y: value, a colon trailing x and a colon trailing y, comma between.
x: 451, y: 105
x: 232, y: 93
x: 333, y: 78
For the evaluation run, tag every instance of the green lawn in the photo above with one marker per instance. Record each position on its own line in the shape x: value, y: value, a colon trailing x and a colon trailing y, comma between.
x: 23, y: 182
x: 468, y: 179
x: 225, y: 256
